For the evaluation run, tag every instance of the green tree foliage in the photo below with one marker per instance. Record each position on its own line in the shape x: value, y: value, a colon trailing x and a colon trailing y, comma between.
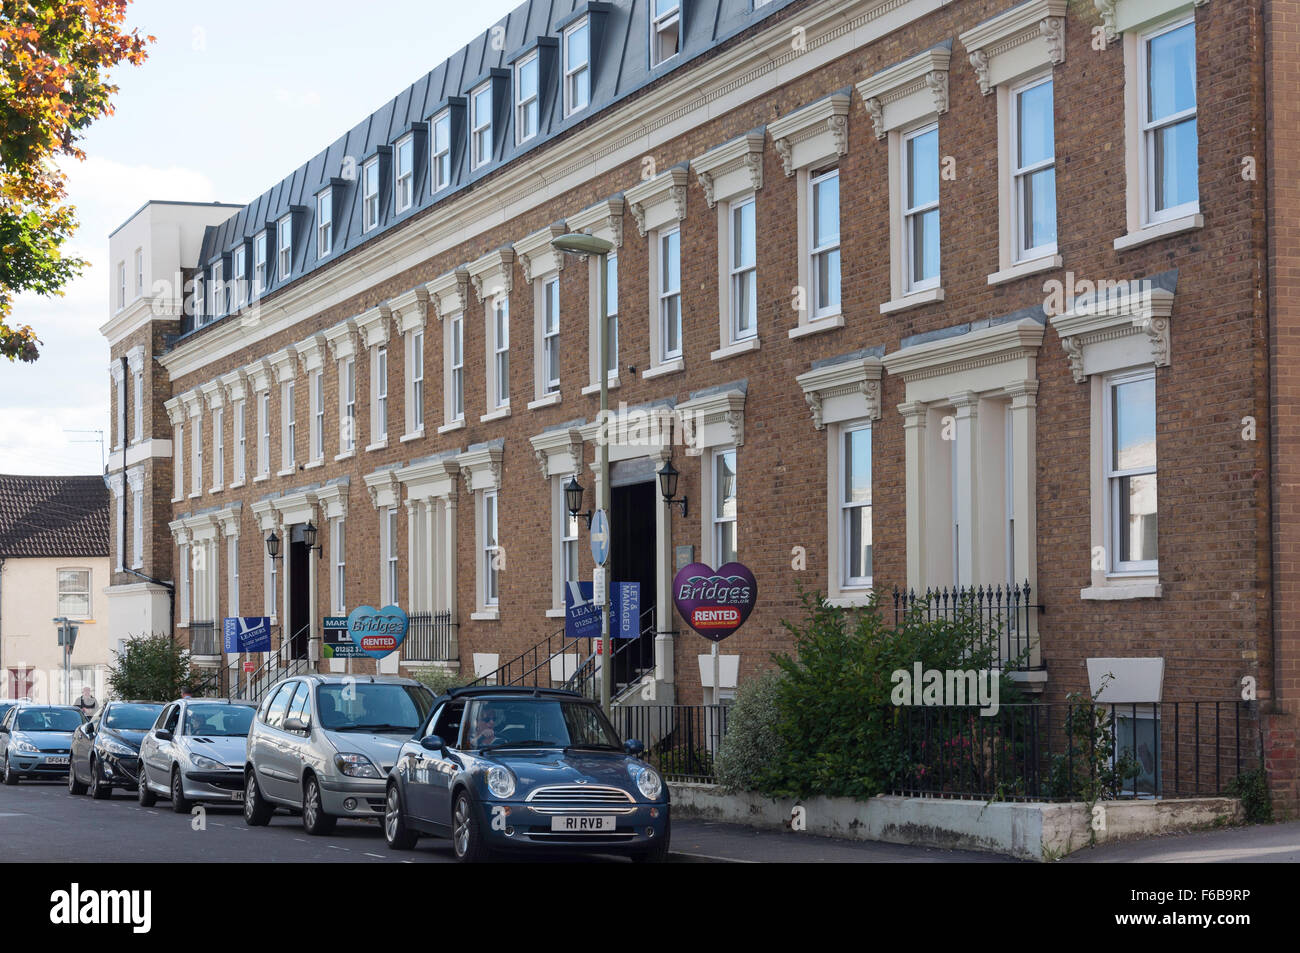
x: 152, y: 667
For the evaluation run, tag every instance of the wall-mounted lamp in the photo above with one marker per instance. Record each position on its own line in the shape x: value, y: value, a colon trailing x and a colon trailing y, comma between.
x: 668, y: 486
x: 273, y: 546
x: 573, y: 491
x: 309, y: 535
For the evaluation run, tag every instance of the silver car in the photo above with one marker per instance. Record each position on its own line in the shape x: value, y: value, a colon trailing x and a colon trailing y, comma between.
x: 324, y: 744
x: 195, y: 752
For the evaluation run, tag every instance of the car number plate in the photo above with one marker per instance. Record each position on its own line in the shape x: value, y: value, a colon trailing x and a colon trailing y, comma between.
x: 236, y: 795
x: 56, y: 760
x: 582, y: 824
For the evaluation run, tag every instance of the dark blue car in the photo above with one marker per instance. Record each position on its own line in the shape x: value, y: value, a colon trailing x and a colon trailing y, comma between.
x: 509, y: 769
x: 106, y: 749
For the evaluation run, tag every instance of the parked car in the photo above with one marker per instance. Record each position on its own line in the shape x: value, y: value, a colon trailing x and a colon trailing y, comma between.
x: 7, y: 703
x: 324, y: 744
x: 510, y: 768
x: 195, y: 752
x: 35, y: 740
x: 106, y: 749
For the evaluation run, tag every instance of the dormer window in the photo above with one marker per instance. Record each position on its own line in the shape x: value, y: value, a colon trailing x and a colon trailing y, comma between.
x: 526, y: 101
x: 238, y: 276
x: 665, y: 30
x: 259, y: 263
x: 284, y: 246
x: 577, y: 67
x: 404, y: 177
x: 370, y: 195
x: 481, y: 125
x: 440, y: 150
x: 324, y: 223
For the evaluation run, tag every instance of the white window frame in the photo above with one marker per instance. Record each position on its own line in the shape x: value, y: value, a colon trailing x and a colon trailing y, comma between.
x: 417, y: 380
x: 1113, y: 478
x: 139, y: 272
x: 456, y: 368
x: 843, y: 508
x: 218, y: 448
x: 138, y: 422
x: 60, y: 592
x: 241, y: 441
x: 659, y: 24
x: 737, y: 273
x: 370, y: 197
x: 347, y: 405
x: 440, y: 148
x: 550, y: 315
x: 339, y: 557
x: 404, y: 173
x: 196, y: 455
x: 390, y: 556
x: 284, y: 247
x: 481, y: 141
x: 1020, y: 174
x: 289, y: 427
x: 318, y: 416
x: 816, y: 309
x: 324, y: 223
x: 911, y: 283
x: 259, y: 264
x: 525, y: 103
x: 239, y: 278
x: 232, y: 578
x: 499, y: 337
x: 379, y: 404
x: 264, y: 434
x: 716, y: 520
x: 215, y: 289
x: 663, y: 295
x: 611, y: 315
x: 1148, y: 129
x: 178, y: 457
x: 137, y: 527
x: 577, y: 74
x: 121, y: 285
x: 490, y: 518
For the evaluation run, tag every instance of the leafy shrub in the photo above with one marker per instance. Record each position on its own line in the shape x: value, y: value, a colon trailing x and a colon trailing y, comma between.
x: 152, y: 667
x: 438, y: 680
x: 1256, y: 801
x: 752, y: 738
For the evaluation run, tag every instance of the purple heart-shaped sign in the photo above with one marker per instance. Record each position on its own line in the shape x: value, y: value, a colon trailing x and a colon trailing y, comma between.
x: 715, y: 604
x: 377, y: 632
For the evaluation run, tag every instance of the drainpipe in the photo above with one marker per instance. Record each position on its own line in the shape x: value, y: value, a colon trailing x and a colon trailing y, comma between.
x: 2, y: 634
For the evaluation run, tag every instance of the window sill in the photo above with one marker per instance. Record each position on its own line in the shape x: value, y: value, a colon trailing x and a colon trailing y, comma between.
x: 549, y: 400
x: 595, y: 388
x: 313, y: 465
x: 913, y: 300
x: 1025, y: 268
x: 674, y: 366
x: 261, y: 477
x: 501, y: 413
x: 555, y: 613
x: 454, y: 425
x: 854, y: 600
x: 1158, y: 230
x: 378, y: 445
x: 828, y: 323
x: 735, y: 349
x: 178, y: 499
x: 215, y: 489
x: 486, y: 615
x: 408, y: 437
x: 286, y: 472
x: 236, y: 485
x: 345, y: 455
x: 1132, y: 590
x: 197, y: 494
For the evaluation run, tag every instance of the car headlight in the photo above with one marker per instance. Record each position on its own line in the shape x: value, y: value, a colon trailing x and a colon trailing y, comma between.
x: 647, y: 781
x: 26, y: 747
x: 355, y: 765
x: 206, y: 764
x: 115, y: 747
x: 500, y: 781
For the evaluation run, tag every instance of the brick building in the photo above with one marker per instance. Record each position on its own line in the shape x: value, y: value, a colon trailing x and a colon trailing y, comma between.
x: 934, y: 293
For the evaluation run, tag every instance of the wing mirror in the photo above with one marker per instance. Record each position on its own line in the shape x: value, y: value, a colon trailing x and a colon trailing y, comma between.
x: 433, y: 743
x: 633, y: 748
x: 295, y: 724
x: 90, y: 729
x: 162, y: 734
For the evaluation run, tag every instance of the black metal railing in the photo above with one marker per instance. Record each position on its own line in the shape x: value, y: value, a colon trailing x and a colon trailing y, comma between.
x: 586, y: 679
x: 681, y: 740
x: 1005, y: 617
x: 203, y: 639
x: 532, y: 667
x: 1072, y: 752
x: 430, y: 638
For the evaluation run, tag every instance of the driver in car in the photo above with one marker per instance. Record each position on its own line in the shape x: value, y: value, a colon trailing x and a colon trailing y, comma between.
x: 484, y: 728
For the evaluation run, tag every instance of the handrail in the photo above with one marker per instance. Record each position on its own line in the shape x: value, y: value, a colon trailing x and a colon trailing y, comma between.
x: 582, y: 677
x: 277, y: 657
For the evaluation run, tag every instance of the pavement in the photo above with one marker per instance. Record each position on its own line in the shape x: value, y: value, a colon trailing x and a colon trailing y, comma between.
x: 1259, y: 844
x: 704, y: 841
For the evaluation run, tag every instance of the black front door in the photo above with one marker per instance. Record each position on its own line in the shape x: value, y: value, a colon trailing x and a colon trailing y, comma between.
x: 632, y: 559
x: 299, y: 603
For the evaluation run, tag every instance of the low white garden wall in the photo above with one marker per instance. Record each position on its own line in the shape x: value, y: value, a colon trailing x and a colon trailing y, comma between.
x: 1029, y: 831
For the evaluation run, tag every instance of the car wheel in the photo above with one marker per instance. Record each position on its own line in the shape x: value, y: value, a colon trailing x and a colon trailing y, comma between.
x: 466, y: 832
x: 314, y: 819
x: 398, y: 835
x: 180, y: 804
x: 10, y: 778
x: 74, y: 786
x: 144, y: 795
x: 99, y: 789
x: 257, y: 812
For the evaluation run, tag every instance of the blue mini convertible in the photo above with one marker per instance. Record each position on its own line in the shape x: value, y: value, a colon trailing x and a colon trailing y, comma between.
x: 525, y: 768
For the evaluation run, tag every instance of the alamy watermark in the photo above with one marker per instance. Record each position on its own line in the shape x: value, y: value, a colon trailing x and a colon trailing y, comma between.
x: 1102, y: 297
x: 946, y: 688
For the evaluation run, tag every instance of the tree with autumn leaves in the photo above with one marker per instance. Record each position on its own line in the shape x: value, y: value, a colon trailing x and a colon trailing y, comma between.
x: 54, y: 61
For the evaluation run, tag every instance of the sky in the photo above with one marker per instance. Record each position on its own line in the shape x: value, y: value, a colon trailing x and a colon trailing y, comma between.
x: 184, y: 130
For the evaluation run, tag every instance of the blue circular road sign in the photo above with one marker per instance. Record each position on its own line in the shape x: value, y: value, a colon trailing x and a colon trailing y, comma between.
x: 600, y: 537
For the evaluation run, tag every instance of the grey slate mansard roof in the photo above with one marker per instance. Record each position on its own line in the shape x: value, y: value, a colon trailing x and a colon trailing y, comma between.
x: 620, y: 66
x: 43, y: 516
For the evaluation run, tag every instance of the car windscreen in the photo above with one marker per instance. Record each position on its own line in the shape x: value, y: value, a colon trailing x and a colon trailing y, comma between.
x: 374, y: 706
x: 212, y: 721
x: 131, y: 717
x: 538, y: 722
x: 47, y: 719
